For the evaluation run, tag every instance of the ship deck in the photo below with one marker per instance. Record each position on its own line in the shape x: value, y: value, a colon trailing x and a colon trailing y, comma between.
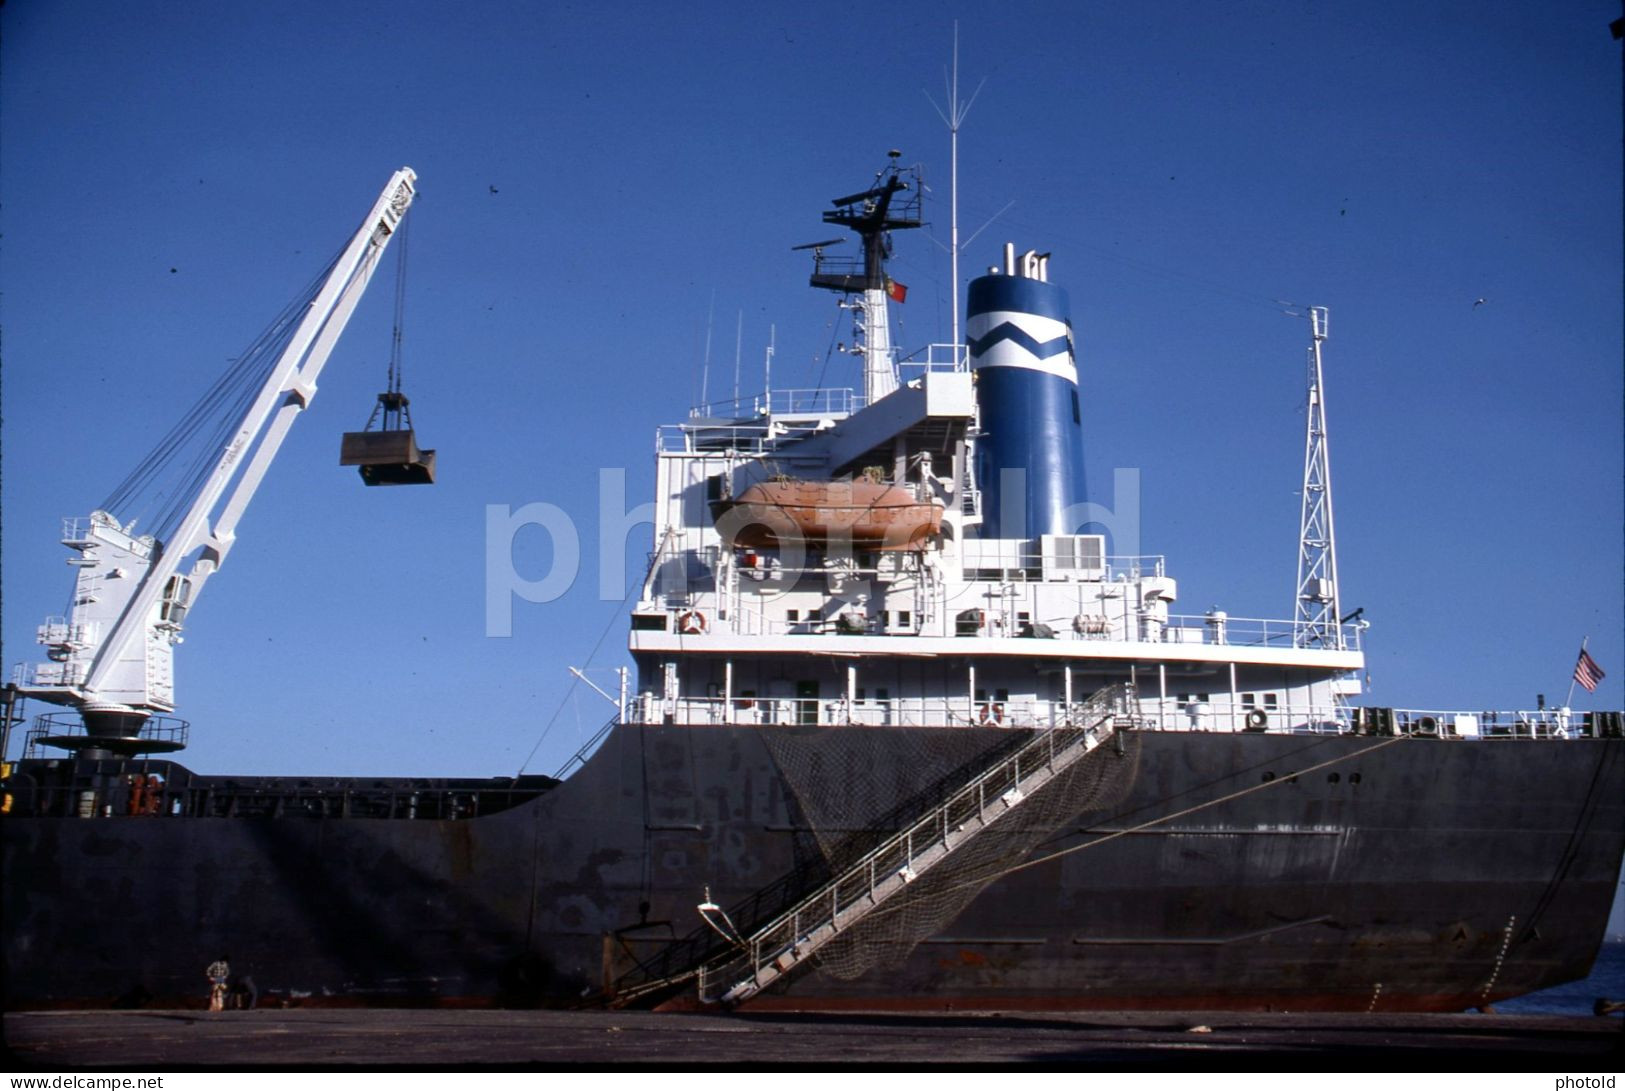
x: 370, y: 1038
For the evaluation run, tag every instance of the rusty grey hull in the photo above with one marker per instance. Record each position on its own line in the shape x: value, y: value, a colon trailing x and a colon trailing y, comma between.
x: 1241, y: 871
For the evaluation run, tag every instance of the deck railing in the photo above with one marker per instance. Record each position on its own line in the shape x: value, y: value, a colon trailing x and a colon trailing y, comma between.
x: 936, y: 356
x: 167, y: 732
x: 1003, y: 617
x: 1149, y: 714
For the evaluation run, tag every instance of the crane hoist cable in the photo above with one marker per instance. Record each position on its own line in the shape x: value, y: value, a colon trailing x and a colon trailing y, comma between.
x: 394, y: 405
x: 386, y: 450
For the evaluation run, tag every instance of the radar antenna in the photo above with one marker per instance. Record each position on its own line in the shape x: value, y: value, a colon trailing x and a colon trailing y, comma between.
x: 892, y: 203
x: 1317, y: 616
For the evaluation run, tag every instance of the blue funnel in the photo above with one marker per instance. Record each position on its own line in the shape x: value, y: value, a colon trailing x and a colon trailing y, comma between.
x: 1029, y: 456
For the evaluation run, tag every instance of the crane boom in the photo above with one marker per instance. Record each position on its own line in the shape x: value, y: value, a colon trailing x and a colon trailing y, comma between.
x: 111, y: 657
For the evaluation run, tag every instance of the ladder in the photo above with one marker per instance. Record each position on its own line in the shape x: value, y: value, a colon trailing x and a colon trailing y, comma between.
x: 752, y: 963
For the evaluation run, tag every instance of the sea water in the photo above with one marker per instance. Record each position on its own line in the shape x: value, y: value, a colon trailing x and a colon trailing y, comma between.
x: 1577, y: 997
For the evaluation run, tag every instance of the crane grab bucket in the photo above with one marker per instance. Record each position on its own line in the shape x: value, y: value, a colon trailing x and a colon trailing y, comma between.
x: 390, y: 456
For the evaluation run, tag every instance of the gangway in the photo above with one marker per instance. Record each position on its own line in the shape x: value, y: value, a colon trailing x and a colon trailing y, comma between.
x: 752, y: 963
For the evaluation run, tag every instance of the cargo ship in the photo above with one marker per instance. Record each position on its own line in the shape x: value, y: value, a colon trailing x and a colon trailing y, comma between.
x: 899, y: 735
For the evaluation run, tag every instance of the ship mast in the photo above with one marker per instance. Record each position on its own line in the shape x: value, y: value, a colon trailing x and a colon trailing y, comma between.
x: 891, y: 204
x: 954, y: 117
x: 1317, y: 607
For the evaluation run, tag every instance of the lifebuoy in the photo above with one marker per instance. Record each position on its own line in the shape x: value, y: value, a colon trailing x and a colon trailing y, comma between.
x: 1258, y: 718
x: 691, y: 623
x: 990, y: 713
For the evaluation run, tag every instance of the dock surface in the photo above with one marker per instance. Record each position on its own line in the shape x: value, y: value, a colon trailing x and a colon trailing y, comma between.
x: 329, y: 1038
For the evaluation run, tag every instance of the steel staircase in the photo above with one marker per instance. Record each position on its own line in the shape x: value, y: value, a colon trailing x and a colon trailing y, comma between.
x: 749, y: 964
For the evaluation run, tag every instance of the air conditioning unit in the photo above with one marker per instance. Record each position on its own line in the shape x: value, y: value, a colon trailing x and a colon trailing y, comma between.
x: 1073, y: 556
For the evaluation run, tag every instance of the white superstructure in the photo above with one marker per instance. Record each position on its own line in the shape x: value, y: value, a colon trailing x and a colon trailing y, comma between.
x: 965, y: 630
x: 956, y: 629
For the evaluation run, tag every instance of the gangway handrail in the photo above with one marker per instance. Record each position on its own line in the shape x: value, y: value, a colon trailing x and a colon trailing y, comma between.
x: 790, y: 939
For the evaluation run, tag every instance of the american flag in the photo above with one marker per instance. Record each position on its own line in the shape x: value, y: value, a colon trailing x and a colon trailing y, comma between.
x: 1586, y: 672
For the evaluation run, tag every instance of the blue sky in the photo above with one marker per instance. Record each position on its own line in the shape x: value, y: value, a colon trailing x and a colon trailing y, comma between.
x: 593, y: 176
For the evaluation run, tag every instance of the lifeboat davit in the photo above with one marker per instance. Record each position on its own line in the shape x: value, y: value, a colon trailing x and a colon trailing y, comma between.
x: 868, y: 514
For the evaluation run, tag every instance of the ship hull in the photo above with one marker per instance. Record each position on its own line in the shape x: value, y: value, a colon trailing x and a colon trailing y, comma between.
x: 1212, y: 870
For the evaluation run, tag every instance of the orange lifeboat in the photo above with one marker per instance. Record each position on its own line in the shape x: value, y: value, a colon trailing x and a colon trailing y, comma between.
x: 869, y: 514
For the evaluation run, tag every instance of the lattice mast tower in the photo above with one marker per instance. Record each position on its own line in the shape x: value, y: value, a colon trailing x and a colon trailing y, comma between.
x: 1317, y: 613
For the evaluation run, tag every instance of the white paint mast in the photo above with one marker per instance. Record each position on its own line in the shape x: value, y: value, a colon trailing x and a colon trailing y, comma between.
x: 891, y: 203
x: 1317, y: 618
